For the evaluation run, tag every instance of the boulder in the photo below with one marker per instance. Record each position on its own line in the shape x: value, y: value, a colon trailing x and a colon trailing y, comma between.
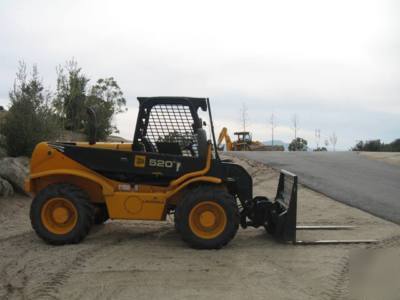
x: 6, y: 188
x: 24, y: 161
x: 15, y: 170
x: 3, y: 152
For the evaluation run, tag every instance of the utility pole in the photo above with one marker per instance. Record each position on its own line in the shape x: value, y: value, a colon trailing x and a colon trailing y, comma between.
x: 317, y: 136
x: 295, y: 121
x: 243, y: 115
x: 273, y: 125
x: 333, y: 139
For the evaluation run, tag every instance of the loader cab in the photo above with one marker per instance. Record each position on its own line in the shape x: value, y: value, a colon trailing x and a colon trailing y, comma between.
x: 242, y: 142
x: 243, y: 137
x: 171, y: 126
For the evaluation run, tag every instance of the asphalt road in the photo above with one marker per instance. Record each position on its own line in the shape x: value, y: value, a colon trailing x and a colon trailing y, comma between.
x: 370, y: 185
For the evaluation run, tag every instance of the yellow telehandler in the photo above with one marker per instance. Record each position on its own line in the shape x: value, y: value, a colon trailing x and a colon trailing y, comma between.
x: 171, y: 167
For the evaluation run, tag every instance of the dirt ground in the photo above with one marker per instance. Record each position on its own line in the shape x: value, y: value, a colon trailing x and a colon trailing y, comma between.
x: 147, y: 260
x: 389, y: 157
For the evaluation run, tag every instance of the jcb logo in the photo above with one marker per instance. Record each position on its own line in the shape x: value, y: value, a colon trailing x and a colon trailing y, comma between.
x: 140, y: 161
x: 159, y: 163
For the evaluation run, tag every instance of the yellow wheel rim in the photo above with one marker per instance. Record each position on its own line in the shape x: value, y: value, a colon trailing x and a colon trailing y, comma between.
x: 207, y: 220
x: 59, y: 215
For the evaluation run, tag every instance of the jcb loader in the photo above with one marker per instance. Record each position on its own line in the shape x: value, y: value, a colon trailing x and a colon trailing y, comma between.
x: 171, y: 167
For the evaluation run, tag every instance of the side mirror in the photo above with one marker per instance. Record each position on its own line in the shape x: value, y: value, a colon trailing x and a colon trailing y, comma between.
x: 92, y: 125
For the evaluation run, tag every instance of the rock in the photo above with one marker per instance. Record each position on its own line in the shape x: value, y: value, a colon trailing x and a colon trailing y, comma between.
x: 6, y: 188
x: 15, y: 170
x: 3, y: 152
x: 24, y: 161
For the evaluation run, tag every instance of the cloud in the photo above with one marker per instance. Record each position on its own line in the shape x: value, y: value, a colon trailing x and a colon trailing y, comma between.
x: 335, y: 64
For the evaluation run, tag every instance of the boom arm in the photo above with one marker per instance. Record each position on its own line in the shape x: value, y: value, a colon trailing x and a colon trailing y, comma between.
x: 224, y: 135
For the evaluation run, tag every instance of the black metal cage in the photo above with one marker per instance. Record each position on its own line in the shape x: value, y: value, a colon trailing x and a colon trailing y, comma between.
x: 169, y: 125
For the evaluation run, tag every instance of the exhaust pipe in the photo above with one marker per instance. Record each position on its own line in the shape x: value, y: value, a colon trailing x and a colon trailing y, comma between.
x: 92, y: 125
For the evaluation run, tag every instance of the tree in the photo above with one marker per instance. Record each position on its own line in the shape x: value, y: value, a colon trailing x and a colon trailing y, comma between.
x: 333, y: 140
x: 107, y: 99
x: 298, y: 144
x: 295, y: 124
x: 71, y: 95
x: 320, y: 149
x: 74, y: 96
x: 377, y: 146
x: 243, y: 115
x: 30, y: 118
x: 393, y: 146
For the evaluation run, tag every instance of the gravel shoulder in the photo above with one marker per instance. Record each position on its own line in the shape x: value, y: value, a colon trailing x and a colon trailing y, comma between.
x: 147, y: 260
x: 388, y: 157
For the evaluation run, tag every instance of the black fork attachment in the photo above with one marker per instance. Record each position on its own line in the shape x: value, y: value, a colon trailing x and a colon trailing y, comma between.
x: 279, y: 217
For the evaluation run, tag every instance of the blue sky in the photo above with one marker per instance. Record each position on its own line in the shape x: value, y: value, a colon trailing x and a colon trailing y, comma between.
x: 336, y: 64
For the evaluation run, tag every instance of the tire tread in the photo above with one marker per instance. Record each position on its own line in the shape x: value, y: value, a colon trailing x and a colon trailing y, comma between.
x: 190, y: 199
x: 82, y: 203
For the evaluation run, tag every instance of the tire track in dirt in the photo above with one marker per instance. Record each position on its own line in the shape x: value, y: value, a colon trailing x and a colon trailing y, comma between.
x: 50, y: 288
x: 340, y: 279
x: 15, y: 236
x: 341, y: 289
x: 14, y: 286
x: 14, y: 279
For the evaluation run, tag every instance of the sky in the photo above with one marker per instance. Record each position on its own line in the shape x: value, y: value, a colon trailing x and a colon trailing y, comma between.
x: 335, y: 64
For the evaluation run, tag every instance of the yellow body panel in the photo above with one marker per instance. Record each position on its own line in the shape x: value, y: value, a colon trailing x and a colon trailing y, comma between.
x: 112, y: 146
x: 142, y: 202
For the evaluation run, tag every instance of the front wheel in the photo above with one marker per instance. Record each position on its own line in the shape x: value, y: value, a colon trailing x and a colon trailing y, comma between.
x: 207, y: 218
x: 100, y: 214
x: 61, y: 214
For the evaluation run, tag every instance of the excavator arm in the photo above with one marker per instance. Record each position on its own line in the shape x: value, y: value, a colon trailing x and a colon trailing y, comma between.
x: 223, y: 135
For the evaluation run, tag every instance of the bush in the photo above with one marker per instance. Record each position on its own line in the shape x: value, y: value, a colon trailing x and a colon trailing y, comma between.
x: 74, y: 95
x: 377, y: 146
x: 30, y: 119
x: 298, y: 144
x: 106, y: 98
x: 319, y: 149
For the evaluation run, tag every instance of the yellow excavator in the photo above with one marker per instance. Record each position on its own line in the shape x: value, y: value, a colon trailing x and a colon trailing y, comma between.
x: 243, y: 142
x: 223, y: 135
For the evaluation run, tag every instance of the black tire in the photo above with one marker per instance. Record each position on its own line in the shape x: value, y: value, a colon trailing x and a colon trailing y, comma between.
x: 176, y: 223
x: 80, y: 201
x: 100, y: 214
x: 270, y: 228
x: 207, y: 193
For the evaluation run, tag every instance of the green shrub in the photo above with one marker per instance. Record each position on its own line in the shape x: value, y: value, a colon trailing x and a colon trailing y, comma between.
x: 30, y: 119
x: 298, y: 144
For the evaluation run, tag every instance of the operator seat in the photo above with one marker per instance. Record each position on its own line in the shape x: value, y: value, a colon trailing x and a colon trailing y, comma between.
x: 148, y: 145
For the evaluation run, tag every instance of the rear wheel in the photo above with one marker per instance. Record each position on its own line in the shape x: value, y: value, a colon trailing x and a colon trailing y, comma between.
x: 207, y: 218
x: 61, y: 214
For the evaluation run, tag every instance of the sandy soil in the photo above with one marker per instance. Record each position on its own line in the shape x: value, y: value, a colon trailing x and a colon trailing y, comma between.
x: 147, y: 260
x: 389, y: 157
